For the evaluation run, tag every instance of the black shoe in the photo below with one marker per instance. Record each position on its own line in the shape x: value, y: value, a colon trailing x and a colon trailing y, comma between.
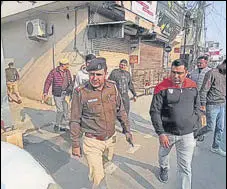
x: 62, y: 129
x: 163, y: 175
x: 56, y: 128
x: 123, y: 131
x: 200, y: 138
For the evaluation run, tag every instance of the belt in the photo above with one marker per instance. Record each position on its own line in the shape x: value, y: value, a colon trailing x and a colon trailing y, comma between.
x: 12, y: 81
x: 102, y: 138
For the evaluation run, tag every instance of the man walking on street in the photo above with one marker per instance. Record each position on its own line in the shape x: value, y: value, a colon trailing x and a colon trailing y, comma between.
x: 12, y: 78
x: 61, y: 80
x: 198, y: 74
x: 213, y: 101
x: 175, y: 114
x: 82, y: 75
x: 124, y: 84
x: 95, y: 107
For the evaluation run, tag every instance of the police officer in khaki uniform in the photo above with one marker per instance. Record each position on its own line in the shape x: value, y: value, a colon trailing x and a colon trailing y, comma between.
x: 95, y: 107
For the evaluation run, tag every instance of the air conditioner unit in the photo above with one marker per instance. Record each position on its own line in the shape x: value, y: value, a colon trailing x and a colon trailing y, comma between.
x: 36, y: 29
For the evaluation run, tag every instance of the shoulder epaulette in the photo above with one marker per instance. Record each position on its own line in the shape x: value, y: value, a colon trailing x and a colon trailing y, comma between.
x: 79, y: 88
x: 111, y: 81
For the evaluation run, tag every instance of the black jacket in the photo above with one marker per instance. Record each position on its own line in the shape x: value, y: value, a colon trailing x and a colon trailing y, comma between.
x: 175, y: 110
x: 123, y: 81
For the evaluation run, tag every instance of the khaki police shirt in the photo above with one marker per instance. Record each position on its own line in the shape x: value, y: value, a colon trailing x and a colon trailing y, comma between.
x: 95, y: 111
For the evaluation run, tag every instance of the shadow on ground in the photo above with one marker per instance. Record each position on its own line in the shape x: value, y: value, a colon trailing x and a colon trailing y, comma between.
x: 123, y: 165
x: 69, y: 173
x: 138, y: 123
x: 41, y: 119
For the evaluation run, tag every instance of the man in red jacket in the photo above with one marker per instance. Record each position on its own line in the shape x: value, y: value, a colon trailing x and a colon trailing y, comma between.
x: 61, y: 80
x: 175, y: 114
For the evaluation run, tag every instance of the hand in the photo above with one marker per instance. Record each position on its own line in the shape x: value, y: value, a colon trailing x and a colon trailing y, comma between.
x: 164, y: 141
x: 134, y: 98
x: 203, y: 108
x: 129, y: 138
x: 44, y: 97
x: 76, y: 153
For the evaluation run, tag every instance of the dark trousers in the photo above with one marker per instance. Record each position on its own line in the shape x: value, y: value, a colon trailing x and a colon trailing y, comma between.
x: 126, y: 103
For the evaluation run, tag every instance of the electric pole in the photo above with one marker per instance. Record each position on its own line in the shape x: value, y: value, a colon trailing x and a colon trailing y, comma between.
x: 186, y: 30
x: 199, y: 23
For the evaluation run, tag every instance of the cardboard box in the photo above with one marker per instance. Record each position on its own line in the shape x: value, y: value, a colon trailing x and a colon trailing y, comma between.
x: 14, y: 137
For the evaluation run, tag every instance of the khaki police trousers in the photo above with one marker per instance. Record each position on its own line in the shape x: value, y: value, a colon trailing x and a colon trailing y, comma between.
x: 12, y: 88
x: 94, y: 150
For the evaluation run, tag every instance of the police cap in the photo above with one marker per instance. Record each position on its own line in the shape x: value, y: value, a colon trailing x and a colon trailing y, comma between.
x: 97, y: 64
x: 11, y: 64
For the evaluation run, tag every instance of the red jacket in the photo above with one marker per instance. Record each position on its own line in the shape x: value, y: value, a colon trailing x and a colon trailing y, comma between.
x: 175, y: 110
x: 55, y: 79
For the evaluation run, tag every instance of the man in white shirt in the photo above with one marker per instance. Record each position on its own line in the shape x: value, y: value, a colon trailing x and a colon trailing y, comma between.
x: 82, y: 75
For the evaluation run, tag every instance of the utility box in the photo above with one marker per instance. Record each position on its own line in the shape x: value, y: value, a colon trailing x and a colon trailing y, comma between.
x: 36, y: 29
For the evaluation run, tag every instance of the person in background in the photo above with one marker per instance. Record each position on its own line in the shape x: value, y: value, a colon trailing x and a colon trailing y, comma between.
x: 12, y: 78
x: 213, y: 102
x: 82, y: 75
x: 61, y: 80
x: 198, y: 74
x: 124, y: 84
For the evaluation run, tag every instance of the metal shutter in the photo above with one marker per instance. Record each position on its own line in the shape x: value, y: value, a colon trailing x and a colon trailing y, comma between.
x: 111, y: 44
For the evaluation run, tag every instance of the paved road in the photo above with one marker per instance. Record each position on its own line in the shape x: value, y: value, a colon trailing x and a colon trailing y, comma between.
x: 134, y: 171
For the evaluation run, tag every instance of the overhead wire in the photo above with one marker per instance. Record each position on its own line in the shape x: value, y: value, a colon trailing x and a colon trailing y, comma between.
x: 217, y: 13
x: 219, y: 30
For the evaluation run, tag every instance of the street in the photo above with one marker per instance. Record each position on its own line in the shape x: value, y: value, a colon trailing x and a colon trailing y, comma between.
x: 132, y: 168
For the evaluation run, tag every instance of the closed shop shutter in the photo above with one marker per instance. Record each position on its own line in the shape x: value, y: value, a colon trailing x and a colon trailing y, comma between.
x: 113, y: 49
x: 149, y: 71
x: 151, y: 56
x: 111, y: 44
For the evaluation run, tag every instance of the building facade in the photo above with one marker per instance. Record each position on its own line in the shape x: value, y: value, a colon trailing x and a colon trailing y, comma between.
x: 38, y: 36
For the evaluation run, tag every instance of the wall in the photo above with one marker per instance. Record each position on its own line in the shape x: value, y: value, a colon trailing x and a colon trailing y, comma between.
x: 113, y: 58
x: 176, y: 44
x: 13, y: 7
x: 35, y: 59
x: 5, y: 110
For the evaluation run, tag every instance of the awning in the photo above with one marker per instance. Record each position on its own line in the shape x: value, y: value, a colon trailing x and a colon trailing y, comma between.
x: 154, y: 37
x: 107, y: 23
x: 115, y: 29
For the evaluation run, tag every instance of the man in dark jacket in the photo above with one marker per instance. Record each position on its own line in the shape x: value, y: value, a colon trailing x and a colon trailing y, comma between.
x: 198, y: 74
x: 213, y: 101
x: 124, y: 84
x: 175, y: 114
x: 61, y: 80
